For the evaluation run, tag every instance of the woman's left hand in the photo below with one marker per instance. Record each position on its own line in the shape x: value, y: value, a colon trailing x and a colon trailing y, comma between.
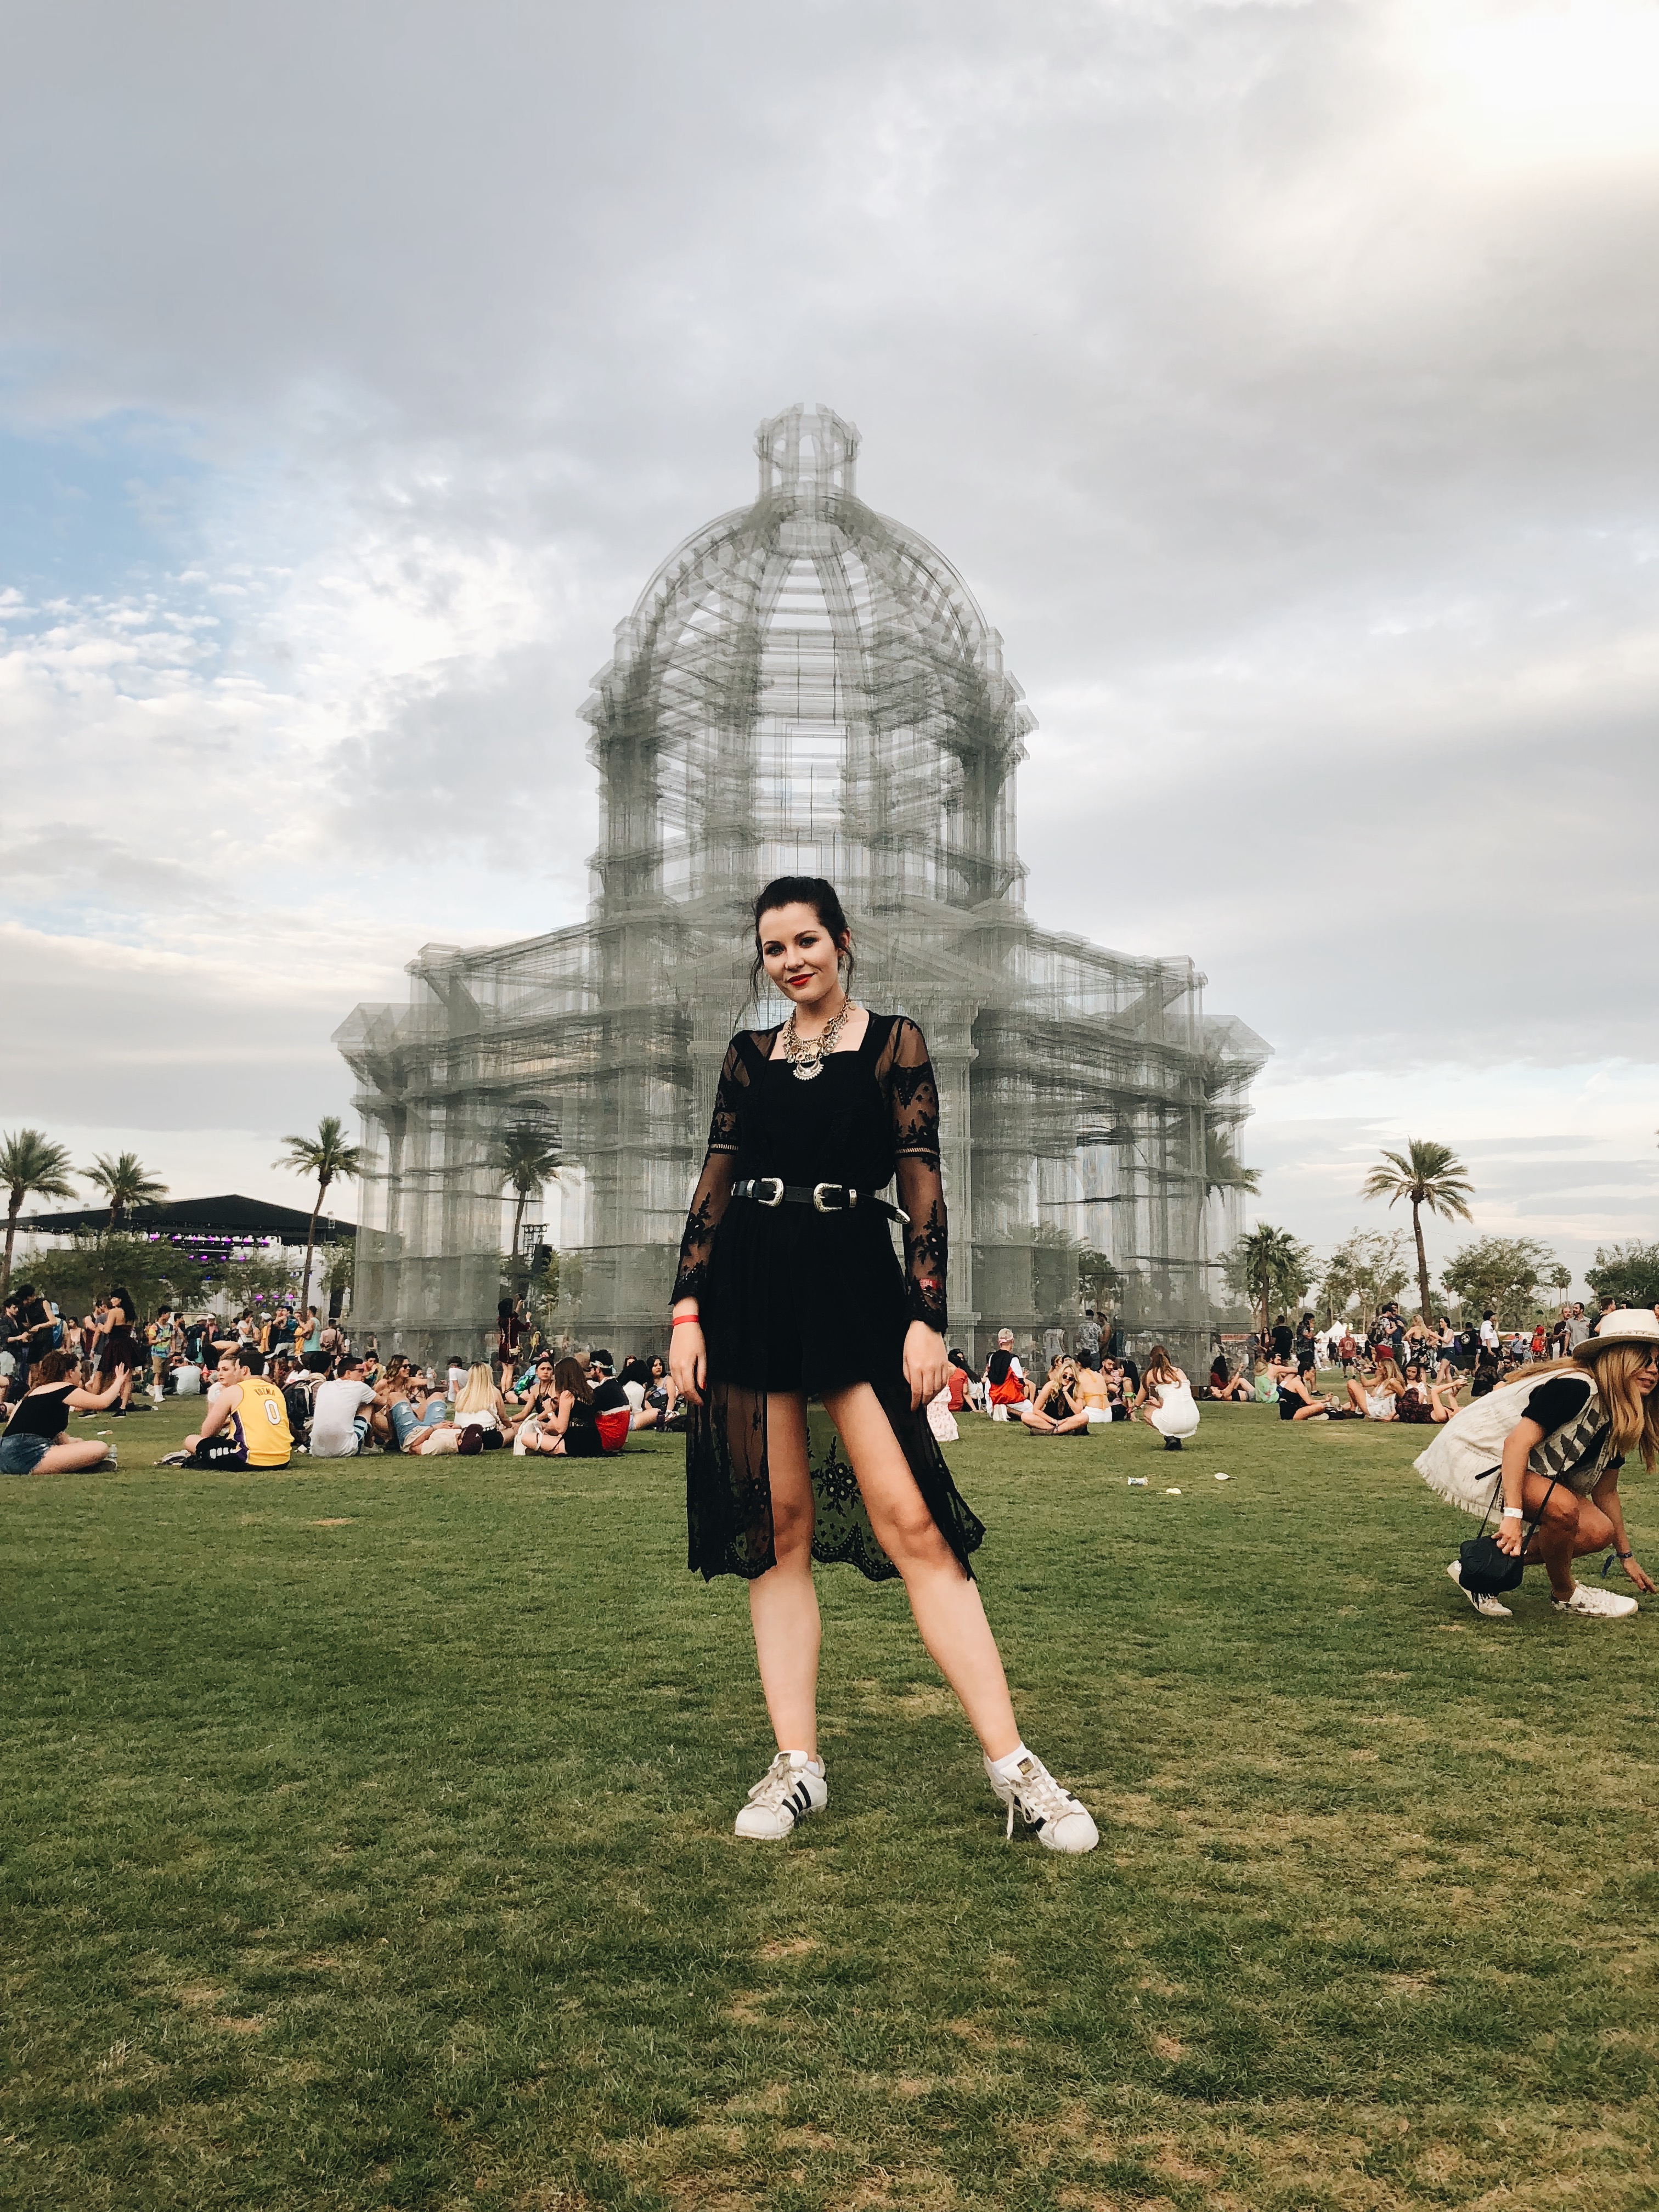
x: 925, y: 1363
x: 1637, y: 1573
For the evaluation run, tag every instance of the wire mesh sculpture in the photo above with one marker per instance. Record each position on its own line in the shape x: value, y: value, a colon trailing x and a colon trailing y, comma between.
x: 803, y: 686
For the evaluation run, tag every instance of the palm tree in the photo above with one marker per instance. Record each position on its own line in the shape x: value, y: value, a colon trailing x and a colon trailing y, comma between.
x: 329, y: 1158
x: 1223, y: 1169
x: 525, y: 1156
x: 31, y: 1166
x: 1271, y: 1268
x: 1428, y: 1175
x: 124, y: 1181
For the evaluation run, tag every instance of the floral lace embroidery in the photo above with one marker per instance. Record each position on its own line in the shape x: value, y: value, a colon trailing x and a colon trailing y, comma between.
x: 906, y: 1074
x: 714, y: 1191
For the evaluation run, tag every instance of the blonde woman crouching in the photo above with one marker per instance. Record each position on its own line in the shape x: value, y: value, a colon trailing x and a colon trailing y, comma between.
x: 1570, y: 1423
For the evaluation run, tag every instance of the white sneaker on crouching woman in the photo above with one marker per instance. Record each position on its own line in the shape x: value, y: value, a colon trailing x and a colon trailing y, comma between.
x: 1603, y: 1604
x: 1025, y: 1786
x: 1482, y: 1601
x: 793, y: 1786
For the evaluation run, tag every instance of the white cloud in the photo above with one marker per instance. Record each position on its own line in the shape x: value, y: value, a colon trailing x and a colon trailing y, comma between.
x: 1280, y: 376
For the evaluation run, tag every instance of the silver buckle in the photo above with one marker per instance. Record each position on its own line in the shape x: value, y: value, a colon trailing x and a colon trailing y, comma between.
x: 776, y: 1182
x: 850, y: 1196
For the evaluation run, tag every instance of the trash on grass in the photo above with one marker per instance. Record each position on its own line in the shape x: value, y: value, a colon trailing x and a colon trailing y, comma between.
x: 1172, y: 1493
x: 1224, y: 1477
x: 1137, y: 1482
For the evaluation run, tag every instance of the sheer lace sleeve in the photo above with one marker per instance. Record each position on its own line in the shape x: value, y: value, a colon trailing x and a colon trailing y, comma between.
x: 914, y: 1097
x: 714, y: 1192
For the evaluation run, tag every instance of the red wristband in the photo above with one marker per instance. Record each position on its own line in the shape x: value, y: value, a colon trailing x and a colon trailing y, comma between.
x: 681, y: 1319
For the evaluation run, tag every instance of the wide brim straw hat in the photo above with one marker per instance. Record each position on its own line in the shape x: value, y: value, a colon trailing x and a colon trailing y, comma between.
x: 1627, y: 1325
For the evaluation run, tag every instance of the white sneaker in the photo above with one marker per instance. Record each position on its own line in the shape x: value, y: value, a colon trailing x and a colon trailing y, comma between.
x: 1062, y: 1823
x: 1600, y: 1604
x: 792, y: 1787
x: 1487, y: 1607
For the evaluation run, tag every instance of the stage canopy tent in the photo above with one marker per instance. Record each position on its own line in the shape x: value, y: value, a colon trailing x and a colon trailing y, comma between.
x: 230, y: 1219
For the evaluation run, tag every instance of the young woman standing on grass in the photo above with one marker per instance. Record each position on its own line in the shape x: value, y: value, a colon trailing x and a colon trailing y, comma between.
x: 788, y: 1288
x: 1550, y: 1442
x: 35, y: 1442
x: 117, y: 1344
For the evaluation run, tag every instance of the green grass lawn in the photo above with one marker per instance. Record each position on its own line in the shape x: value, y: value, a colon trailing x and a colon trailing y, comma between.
x: 367, y: 1842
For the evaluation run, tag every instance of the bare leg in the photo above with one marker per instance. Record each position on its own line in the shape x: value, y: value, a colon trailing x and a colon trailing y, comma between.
x: 1356, y: 1396
x: 944, y: 1601
x: 783, y: 1604
x: 1571, y: 1527
x: 74, y: 1457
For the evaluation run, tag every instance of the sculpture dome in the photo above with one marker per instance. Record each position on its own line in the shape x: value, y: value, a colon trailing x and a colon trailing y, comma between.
x: 805, y: 685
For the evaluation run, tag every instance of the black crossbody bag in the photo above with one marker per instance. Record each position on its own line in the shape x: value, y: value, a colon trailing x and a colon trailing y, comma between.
x: 1486, y: 1570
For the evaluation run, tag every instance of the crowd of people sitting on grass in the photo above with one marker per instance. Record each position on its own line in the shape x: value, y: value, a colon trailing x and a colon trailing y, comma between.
x: 290, y: 1381
x: 351, y: 1404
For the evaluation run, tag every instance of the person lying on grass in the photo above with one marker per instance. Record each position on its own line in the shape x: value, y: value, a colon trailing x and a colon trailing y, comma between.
x: 1560, y: 1433
x: 1424, y: 1401
x: 406, y: 1410
x: 246, y: 1423
x: 481, y: 1421
x: 1057, y: 1410
x: 35, y: 1442
x: 1443, y: 1396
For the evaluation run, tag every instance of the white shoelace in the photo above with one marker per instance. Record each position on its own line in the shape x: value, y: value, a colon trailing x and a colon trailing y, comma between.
x: 1034, y: 1792
x: 777, y: 1787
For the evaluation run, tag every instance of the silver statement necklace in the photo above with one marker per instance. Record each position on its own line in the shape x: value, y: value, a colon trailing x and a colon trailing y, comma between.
x: 806, y: 1056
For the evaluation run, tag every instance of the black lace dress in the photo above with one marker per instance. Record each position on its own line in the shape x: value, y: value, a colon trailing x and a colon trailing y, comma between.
x: 792, y: 1299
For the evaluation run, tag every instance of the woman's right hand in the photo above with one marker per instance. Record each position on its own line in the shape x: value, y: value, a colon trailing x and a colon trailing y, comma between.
x: 687, y: 1360
x: 1509, y: 1534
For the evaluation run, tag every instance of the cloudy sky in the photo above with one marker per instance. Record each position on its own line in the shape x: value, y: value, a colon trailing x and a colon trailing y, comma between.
x: 1281, y: 376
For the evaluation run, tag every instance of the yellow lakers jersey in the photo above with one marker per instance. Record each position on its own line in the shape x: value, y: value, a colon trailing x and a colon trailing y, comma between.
x: 261, y: 1423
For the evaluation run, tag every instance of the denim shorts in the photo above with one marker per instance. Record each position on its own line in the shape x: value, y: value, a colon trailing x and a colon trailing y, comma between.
x: 22, y: 1455
x: 404, y: 1421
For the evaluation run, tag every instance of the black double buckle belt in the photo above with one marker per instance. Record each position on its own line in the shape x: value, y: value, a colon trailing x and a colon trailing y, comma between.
x: 822, y: 1197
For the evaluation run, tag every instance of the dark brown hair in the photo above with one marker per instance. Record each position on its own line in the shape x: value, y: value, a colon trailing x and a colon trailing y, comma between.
x: 802, y: 890
x: 569, y: 1375
x: 53, y: 1366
